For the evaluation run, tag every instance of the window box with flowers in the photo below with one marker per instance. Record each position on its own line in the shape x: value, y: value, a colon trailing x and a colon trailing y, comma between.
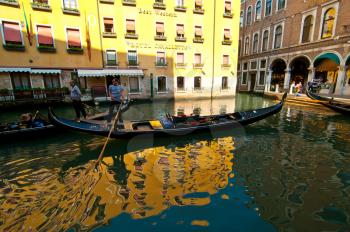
x: 180, y: 8
x: 46, y: 48
x: 75, y: 50
x: 161, y: 64
x: 159, y: 5
x: 72, y: 11
x: 197, y: 39
x: 129, y: 2
x: 10, y: 2
x: 109, y: 34
x: 14, y: 46
x: 226, y: 42
x: 228, y: 15
x: 133, y: 63
x: 41, y: 5
x: 131, y: 36
x: 107, y: 1
x: 180, y: 39
x: 198, y: 7
x: 160, y: 37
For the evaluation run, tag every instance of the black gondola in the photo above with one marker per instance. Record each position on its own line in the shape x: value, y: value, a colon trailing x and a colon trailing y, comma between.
x: 170, y: 125
x: 337, y: 106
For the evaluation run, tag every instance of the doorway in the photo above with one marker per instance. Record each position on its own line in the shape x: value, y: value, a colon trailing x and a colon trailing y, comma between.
x: 252, y: 82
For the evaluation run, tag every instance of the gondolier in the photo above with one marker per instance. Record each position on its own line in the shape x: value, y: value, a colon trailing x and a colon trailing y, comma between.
x: 75, y: 96
x: 117, y: 94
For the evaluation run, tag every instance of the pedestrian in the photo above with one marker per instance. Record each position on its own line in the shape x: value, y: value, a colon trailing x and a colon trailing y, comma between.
x: 292, y: 88
x: 117, y: 95
x: 75, y: 96
x: 299, y: 89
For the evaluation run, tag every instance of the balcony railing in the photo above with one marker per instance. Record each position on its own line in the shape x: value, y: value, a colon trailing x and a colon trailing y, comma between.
x: 73, y: 11
x: 198, y: 40
x: 75, y: 50
x: 131, y: 36
x: 159, y: 5
x: 161, y: 64
x: 133, y: 63
x: 162, y: 90
x: 32, y: 94
x: 107, y: 1
x: 41, y: 6
x: 112, y: 63
x: 109, y: 34
x: 14, y: 47
x: 46, y: 48
x: 160, y: 37
x: 198, y: 10
x: 180, y: 39
x: 228, y: 15
x: 226, y: 42
x: 180, y: 8
x: 129, y: 2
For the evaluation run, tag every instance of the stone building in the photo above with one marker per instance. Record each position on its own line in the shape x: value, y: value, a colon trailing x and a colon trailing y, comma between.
x: 282, y: 41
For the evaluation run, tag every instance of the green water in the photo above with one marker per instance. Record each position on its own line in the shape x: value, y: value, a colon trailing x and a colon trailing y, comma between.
x: 290, y: 172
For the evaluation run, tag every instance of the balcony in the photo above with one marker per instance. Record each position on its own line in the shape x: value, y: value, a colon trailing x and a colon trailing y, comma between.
x: 198, y: 40
x: 161, y: 64
x: 228, y: 15
x: 72, y: 11
x: 107, y: 1
x: 181, y: 65
x: 46, y: 48
x: 198, y: 65
x: 226, y: 42
x: 198, y: 10
x: 131, y: 36
x: 159, y: 5
x: 109, y: 34
x: 160, y: 37
x: 129, y: 2
x: 41, y: 6
x: 10, y: 2
x: 180, y: 8
x: 180, y: 39
x: 14, y: 47
x: 75, y: 50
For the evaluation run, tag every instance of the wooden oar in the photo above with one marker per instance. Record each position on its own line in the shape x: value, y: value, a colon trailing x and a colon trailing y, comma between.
x: 109, y: 134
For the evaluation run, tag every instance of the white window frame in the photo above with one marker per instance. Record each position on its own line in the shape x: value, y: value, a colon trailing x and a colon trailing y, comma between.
x: 312, y: 13
x: 261, y: 8
x: 326, y: 6
x: 250, y: 65
x: 48, y: 2
x: 10, y: 21
x: 52, y: 33
x: 194, y: 57
x: 164, y: 56
x: 244, y: 51
x: 177, y: 88
x: 229, y: 58
x: 241, y: 16
x: 116, y: 55
x: 137, y: 55
x: 251, y: 16
x: 155, y: 26
x: 285, y: 5
x: 77, y: 2
x: 139, y: 84
x: 265, y: 15
x: 268, y: 39
x: 183, y: 1
x: 177, y: 55
x: 166, y: 84
x: 103, y: 23
x: 274, y: 33
x: 80, y: 34
x: 135, y: 24
x: 257, y: 46
x: 242, y: 73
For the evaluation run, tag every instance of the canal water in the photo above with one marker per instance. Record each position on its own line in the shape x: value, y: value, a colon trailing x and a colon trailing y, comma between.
x: 290, y: 172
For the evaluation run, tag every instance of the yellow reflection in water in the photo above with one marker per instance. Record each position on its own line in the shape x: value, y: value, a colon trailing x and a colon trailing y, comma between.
x: 142, y: 184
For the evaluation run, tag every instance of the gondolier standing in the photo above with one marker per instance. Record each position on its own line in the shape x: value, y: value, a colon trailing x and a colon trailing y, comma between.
x: 117, y: 94
x: 75, y: 95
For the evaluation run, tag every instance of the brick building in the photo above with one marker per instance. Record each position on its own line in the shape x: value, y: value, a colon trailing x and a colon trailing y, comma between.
x: 282, y: 41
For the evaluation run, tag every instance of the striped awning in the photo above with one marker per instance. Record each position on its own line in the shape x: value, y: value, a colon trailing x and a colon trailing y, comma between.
x: 109, y: 72
x: 15, y: 70
x: 45, y: 71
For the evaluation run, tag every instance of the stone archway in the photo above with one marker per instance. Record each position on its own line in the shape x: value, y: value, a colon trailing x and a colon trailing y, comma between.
x: 326, y: 72
x: 299, y: 68
x: 278, y: 68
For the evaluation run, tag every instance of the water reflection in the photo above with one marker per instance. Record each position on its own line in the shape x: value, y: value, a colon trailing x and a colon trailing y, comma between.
x: 141, y: 183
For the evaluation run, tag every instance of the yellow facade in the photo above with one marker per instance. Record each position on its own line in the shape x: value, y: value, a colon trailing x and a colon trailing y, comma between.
x: 96, y: 72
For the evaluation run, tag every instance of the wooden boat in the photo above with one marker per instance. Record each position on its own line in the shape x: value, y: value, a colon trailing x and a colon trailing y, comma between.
x: 169, y: 125
x: 337, y: 106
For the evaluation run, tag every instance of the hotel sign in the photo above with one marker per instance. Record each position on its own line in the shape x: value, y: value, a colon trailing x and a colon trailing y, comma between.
x: 157, y: 12
x: 158, y: 46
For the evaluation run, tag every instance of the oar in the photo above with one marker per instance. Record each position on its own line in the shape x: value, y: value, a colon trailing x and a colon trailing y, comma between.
x: 109, y: 134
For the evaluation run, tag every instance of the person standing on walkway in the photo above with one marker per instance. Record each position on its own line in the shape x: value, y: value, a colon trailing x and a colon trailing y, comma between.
x: 117, y: 94
x: 75, y: 96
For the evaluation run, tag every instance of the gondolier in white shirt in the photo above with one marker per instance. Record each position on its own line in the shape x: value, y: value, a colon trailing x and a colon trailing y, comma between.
x: 117, y: 94
x: 75, y: 96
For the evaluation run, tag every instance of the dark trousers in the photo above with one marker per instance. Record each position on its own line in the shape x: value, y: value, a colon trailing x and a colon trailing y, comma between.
x: 78, y: 107
x: 114, y: 105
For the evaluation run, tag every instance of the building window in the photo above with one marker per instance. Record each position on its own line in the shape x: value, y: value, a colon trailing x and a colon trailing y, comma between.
x: 180, y: 83
x: 258, y: 10
x: 228, y: 8
x: 239, y: 47
x: 162, y: 84
x: 268, y: 7
x: 245, y: 66
x: 108, y: 25
x: 134, y: 84
x: 198, y: 32
x: 246, y: 46
x: 263, y: 64
x: 132, y: 58
x: 224, y: 83
x: 328, y: 23
x: 198, y: 4
x: 197, y: 83
x: 180, y: 2
x: 20, y: 81
x: 180, y: 32
x: 281, y: 4
x: 160, y: 29
x: 227, y: 36
x: 241, y: 19
x: 45, y: 2
x: 262, y: 78
x: 307, y: 27
x: 73, y: 36
x: 225, y: 59
x: 51, y: 81
x: 249, y: 15
x: 111, y: 57
x: 12, y: 33
x: 180, y: 58
x: 45, y: 36
x: 130, y: 26
x: 265, y: 41
x: 255, y: 43
x: 197, y: 59
x: 253, y: 65
x: 70, y: 4
x: 278, y: 37
x: 161, y: 59
x: 244, y: 78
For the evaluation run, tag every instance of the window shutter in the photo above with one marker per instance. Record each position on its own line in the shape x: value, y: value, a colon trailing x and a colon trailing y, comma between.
x: 44, y: 35
x: 12, y: 32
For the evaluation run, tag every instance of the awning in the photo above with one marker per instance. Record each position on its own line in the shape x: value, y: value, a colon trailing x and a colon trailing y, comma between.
x: 109, y: 72
x: 14, y: 70
x: 45, y: 71
x: 330, y: 56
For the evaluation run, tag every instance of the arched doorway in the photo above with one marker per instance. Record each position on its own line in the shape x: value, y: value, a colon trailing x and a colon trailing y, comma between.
x: 299, y: 68
x: 278, y: 68
x: 326, y: 72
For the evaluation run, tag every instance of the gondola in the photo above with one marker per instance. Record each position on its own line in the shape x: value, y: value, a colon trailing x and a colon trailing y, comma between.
x: 339, y: 107
x: 169, y: 125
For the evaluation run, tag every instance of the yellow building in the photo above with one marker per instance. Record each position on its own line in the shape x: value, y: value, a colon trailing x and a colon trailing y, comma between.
x: 170, y: 48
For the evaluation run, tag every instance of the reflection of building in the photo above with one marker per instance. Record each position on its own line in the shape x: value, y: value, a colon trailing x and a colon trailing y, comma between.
x: 156, y: 48
x: 284, y: 41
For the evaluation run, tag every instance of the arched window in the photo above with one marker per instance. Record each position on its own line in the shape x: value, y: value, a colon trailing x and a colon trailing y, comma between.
x: 241, y: 19
x: 265, y: 41
x: 281, y: 4
x: 255, y: 43
x: 268, y: 7
x: 258, y: 10
x: 278, y: 37
x: 246, y: 46
x: 249, y: 15
x: 307, y: 27
x: 328, y: 23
